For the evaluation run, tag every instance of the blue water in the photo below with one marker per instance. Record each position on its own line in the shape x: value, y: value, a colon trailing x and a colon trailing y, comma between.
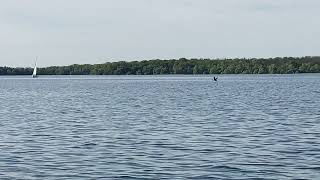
x: 160, y: 127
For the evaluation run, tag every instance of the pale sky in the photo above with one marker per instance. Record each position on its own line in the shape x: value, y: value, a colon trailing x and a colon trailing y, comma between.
x: 63, y: 32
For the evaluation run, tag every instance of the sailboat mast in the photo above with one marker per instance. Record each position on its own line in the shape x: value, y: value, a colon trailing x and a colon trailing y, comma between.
x: 34, y: 74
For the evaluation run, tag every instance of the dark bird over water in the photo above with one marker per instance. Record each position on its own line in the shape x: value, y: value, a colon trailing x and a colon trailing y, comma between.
x: 215, y: 78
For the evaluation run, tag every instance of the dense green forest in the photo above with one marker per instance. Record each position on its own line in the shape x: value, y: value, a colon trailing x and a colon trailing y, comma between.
x: 286, y: 65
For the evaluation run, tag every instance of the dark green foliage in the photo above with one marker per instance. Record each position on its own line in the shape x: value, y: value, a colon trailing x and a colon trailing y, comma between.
x: 15, y: 71
x: 286, y: 65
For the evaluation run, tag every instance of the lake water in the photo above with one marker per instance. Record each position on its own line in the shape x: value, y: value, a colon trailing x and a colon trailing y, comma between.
x: 160, y: 127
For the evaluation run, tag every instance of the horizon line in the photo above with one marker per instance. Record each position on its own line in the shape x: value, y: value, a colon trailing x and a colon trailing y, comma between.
x: 154, y: 59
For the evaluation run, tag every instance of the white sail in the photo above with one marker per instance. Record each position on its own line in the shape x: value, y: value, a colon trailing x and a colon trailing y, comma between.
x: 34, y: 74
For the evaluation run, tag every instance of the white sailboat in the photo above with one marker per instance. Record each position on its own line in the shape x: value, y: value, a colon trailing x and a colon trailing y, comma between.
x: 34, y: 74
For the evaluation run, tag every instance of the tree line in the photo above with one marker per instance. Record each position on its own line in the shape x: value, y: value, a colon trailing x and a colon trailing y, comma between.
x: 285, y: 65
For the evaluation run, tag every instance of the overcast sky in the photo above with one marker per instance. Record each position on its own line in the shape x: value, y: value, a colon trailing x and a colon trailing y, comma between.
x: 62, y: 32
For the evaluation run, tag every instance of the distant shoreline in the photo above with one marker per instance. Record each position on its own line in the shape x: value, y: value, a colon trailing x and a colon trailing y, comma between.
x: 182, y: 66
x: 160, y: 75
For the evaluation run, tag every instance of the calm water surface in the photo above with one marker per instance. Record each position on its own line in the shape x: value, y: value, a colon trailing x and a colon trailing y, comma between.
x: 160, y: 127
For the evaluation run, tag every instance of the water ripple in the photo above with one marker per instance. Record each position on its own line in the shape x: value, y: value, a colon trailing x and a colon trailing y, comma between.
x: 160, y: 127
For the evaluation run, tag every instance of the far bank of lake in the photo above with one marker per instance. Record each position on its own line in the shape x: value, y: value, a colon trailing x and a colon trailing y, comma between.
x: 287, y: 65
